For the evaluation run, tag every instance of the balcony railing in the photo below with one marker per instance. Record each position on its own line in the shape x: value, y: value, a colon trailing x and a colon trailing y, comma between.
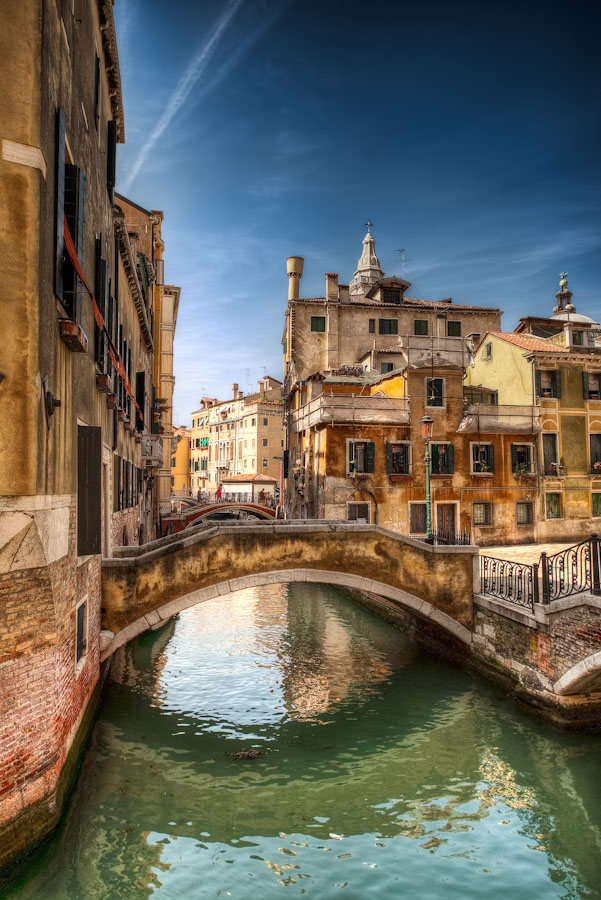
x: 344, y: 409
x: 152, y: 451
x: 501, y: 419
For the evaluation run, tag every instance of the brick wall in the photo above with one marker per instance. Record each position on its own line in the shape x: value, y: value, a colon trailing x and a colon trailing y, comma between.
x: 43, y: 695
x: 549, y: 650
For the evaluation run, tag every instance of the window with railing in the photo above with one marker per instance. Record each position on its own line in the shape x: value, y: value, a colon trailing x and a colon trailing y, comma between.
x: 522, y: 459
x: 483, y: 458
x: 398, y: 458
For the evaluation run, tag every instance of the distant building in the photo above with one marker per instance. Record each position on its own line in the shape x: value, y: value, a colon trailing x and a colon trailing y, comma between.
x: 180, y: 460
x: 240, y: 436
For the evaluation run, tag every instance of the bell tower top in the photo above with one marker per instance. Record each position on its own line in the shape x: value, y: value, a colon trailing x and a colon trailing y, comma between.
x: 368, y: 267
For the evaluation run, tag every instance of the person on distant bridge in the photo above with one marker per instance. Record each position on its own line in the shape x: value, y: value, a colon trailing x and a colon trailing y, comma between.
x: 219, y: 494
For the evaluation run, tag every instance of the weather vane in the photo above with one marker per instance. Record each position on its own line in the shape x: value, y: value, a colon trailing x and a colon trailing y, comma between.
x: 564, y: 279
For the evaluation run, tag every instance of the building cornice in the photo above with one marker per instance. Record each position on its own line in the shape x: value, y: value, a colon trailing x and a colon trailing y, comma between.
x: 111, y: 57
x: 129, y: 264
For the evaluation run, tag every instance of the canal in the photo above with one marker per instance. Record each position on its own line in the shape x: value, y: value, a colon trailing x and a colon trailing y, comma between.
x: 286, y: 742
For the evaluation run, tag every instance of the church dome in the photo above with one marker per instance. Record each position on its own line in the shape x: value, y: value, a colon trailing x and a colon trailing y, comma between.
x: 577, y: 317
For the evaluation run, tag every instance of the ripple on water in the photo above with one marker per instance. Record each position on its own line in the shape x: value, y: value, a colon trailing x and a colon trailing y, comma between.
x: 286, y: 739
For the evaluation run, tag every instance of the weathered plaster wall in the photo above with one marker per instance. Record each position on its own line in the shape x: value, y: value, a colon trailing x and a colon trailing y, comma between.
x: 443, y: 576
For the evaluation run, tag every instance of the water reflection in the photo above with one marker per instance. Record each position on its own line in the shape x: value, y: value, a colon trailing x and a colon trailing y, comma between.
x: 285, y: 738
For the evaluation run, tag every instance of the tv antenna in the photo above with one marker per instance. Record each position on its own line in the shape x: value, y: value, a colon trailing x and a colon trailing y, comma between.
x: 404, y: 261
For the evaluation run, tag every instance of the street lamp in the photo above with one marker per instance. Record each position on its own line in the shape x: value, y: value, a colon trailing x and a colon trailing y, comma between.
x: 426, y: 425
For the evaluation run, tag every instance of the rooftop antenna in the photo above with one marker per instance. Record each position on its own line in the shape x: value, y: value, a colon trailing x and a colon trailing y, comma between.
x: 404, y: 261
x: 248, y: 381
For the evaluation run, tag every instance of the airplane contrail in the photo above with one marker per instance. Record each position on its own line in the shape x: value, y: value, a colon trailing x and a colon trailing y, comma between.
x: 179, y: 96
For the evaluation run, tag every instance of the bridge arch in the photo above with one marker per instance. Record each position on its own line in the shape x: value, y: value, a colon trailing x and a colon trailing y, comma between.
x: 582, y: 678
x: 396, y: 599
x: 255, y: 509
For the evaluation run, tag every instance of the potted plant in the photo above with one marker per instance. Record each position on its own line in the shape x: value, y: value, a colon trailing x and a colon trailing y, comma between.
x: 522, y: 470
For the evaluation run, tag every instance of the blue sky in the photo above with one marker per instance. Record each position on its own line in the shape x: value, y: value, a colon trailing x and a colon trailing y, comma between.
x: 468, y: 133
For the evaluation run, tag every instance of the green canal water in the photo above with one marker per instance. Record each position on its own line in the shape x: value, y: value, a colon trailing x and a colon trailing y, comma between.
x: 382, y: 771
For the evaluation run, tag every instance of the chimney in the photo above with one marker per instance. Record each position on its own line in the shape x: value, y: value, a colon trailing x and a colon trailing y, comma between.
x: 294, y: 267
x: 261, y: 386
x: 331, y: 286
x: 234, y: 390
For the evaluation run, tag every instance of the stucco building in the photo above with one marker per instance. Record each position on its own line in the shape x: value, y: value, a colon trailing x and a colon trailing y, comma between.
x: 240, y: 436
x: 363, y: 364
x: 554, y: 365
x: 180, y: 460
x: 76, y: 364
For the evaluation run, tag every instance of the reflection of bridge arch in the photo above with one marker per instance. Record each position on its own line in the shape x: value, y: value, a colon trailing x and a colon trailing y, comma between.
x: 400, y: 599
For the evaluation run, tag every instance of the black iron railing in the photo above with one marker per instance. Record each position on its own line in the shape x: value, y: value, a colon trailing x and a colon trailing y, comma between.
x: 575, y: 570
x: 445, y: 537
x: 513, y: 581
x: 571, y: 571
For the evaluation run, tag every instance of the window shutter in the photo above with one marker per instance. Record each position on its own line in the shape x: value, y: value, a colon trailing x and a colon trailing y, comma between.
x: 514, y: 457
x: 89, y: 463
x: 389, y: 458
x: 81, y: 217
x: 585, y: 385
x: 369, y: 456
x: 557, y: 383
x: 286, y: 454
x: 491, y: 458
x: 111, y: 156
x: 451, y: 458
x: 537, y: 382
x: 80, y: 631
x: 116, y: 483
x: 435, y: 462
x: 140, y: 390
x: 59, y: 176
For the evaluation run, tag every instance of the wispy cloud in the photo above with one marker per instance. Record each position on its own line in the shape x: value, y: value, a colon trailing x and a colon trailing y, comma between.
x: 189, y: 79
x: 214, y: 59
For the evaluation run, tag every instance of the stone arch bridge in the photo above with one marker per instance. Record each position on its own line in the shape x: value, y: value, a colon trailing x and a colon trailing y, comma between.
x: 175, y: 523
x: 550, y: 657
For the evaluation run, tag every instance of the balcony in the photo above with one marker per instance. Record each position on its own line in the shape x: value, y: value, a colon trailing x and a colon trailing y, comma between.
x: 152, y: 451
x: 342, y: 409
x: 427, y: 350
x: 501, y: 419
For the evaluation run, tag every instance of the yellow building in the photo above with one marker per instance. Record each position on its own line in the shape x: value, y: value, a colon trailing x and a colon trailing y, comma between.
x: 180, y: 461
x: 554, y: 364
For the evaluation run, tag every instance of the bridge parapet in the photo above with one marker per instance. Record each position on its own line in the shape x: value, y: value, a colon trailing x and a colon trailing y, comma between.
x: 142, y: 588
